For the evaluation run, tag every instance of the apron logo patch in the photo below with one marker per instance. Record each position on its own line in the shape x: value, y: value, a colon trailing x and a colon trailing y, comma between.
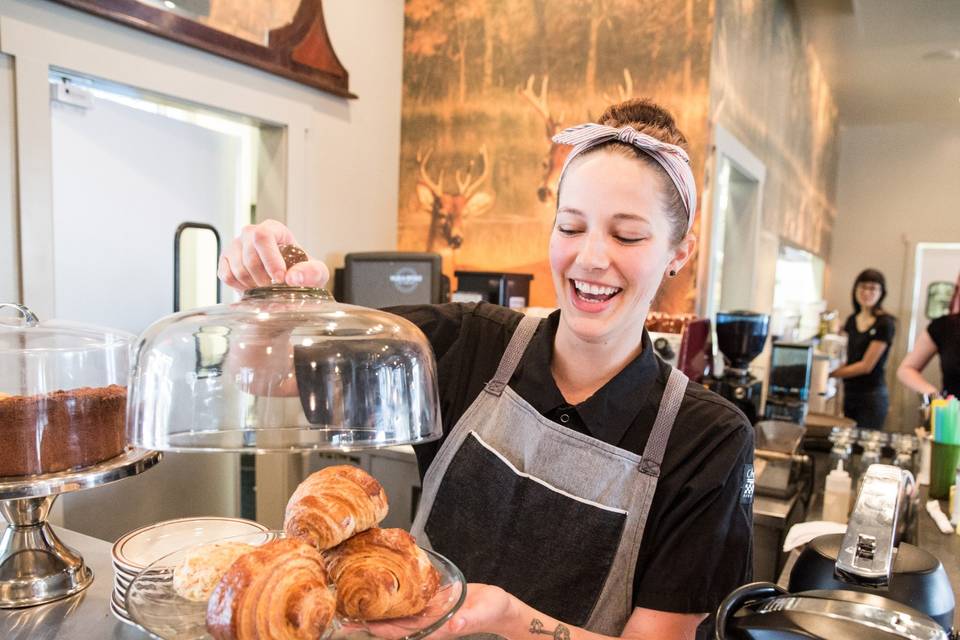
x: 748, y: 485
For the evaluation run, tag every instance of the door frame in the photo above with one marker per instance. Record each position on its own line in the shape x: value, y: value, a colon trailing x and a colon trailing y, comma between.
x: 726, y: 145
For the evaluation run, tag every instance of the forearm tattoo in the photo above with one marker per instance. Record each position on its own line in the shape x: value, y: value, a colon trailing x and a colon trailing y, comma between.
x: 560, y: 633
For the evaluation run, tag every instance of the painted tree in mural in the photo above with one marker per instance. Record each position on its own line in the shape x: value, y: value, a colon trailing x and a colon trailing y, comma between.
x: 505, y: 75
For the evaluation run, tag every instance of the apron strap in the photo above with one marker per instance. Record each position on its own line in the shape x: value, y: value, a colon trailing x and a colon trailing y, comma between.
x: 663, y: 425
x: 511, y: 357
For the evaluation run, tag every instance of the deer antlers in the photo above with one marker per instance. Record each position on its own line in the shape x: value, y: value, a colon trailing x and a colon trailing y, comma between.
x: 467, y: 186
x: 624, y: 91
x: 539, y: 102
x: 422, y: 159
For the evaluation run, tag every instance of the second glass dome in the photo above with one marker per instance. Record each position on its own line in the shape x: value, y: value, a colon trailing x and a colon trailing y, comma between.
x: 282, y: 369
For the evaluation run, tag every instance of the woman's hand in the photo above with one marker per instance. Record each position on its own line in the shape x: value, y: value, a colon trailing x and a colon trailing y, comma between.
x: 253, y: 260
x: 486, y: 610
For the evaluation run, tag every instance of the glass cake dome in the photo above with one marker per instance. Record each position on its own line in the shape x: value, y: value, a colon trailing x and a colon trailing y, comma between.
x: 63, y: 389
x: 283, y: 369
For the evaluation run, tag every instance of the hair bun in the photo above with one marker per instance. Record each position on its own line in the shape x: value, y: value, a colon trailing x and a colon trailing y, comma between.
x: 646, y: 116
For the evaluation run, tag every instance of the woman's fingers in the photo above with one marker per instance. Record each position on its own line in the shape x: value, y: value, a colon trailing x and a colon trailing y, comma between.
x: 232, y: 270
x: 254, y: 260
x: 312, y: 273
x: 256, y: 254
x: 266, y: 238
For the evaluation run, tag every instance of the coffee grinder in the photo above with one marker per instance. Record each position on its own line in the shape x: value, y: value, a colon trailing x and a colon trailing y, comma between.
x: 741, y: 336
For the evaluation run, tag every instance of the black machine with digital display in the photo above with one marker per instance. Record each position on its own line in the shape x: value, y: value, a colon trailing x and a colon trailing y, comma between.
x: 788, y: 391
x: 390, y: 278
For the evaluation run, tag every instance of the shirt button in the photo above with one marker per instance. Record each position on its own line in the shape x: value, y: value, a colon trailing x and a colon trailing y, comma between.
x: 564, y: 418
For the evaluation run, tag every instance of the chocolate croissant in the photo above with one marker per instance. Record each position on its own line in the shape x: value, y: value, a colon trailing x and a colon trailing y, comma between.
x: 279, y: 591
x: 333, y: 504
x: 381, y: 573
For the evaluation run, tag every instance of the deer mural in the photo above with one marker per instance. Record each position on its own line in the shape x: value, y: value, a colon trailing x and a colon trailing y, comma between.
x: 624, y: 91
x: 449, y: 210
x: 557, y: 154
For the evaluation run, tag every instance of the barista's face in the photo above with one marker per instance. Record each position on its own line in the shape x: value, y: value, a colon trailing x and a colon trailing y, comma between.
x: 868, y: 294
x: 610, y: 248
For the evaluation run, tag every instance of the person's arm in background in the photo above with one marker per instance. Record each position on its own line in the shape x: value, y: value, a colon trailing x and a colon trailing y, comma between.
x: 910, y: 370
x: 865, y: 365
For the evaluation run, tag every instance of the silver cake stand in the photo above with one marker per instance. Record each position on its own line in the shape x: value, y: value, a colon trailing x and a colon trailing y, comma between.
x: 35, y: 567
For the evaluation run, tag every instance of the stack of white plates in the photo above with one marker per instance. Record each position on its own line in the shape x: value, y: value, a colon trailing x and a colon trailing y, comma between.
x: 137, y: 550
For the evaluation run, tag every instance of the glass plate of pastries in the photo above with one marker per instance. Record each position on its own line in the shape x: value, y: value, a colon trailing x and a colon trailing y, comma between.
x: 331, y: 573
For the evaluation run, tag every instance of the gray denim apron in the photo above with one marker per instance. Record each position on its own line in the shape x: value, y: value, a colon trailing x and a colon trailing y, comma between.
x: 553, y: 516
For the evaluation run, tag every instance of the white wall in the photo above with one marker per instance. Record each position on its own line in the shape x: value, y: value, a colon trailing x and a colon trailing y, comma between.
x: 359, y: 165
x: 898, y: 185
x: 9, y: 254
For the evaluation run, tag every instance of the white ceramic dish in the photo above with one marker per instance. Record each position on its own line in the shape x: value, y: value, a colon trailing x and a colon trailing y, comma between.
x: 138, y: 549
x: 118, y: 603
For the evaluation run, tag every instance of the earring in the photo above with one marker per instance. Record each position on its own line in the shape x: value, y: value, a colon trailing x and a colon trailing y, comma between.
x: 673, y: 273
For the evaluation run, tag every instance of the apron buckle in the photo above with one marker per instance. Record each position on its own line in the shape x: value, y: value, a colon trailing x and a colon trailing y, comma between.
x: 650, y: 467
x: 495, y: 387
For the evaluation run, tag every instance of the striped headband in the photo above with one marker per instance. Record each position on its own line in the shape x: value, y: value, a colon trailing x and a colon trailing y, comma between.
x: 672, y: 158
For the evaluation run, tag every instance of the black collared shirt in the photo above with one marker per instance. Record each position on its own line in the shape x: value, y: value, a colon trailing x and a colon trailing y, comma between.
x: 696, y: 547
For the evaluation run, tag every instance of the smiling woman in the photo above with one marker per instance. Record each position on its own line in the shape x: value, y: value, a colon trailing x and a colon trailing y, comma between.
x: 557, y: 487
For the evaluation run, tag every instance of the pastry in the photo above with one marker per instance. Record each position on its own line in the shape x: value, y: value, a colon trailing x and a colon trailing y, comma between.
x: 62, y: 430
x: 333, y: 504
x: 197, y: 575
x: 278, y: 591
x: 380, y: 574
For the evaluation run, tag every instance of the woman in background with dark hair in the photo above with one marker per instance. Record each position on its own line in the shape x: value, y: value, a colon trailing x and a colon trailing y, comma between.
x: 869, y: 337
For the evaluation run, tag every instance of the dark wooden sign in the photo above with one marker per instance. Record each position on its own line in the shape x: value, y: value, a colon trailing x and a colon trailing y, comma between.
x: 300, y: 50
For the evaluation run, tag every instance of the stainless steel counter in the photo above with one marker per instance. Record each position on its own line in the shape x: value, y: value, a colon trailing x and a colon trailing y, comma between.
x: 83, y: 616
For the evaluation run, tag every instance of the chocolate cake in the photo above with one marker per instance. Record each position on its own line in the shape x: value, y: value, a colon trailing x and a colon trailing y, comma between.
x: 61, y: 430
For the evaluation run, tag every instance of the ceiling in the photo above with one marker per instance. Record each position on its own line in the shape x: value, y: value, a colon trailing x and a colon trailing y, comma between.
x: 880, y: 57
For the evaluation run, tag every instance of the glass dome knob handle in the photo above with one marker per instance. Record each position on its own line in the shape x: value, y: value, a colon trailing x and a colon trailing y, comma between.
x: 292, y: 254
x: 29, y: 316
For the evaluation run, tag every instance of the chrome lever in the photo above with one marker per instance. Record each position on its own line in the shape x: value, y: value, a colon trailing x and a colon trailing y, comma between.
x: 867, y: 551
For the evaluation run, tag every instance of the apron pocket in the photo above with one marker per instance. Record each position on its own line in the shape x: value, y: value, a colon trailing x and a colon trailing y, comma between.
x: 547, y: 547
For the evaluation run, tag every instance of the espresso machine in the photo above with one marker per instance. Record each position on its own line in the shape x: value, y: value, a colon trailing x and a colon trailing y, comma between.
x: 741, y: 336
x: 867, y: 583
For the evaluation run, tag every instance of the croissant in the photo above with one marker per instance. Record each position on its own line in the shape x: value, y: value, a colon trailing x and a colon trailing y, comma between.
x: 279, y: 591
x: 333, y: 504
x: 381, y: 573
